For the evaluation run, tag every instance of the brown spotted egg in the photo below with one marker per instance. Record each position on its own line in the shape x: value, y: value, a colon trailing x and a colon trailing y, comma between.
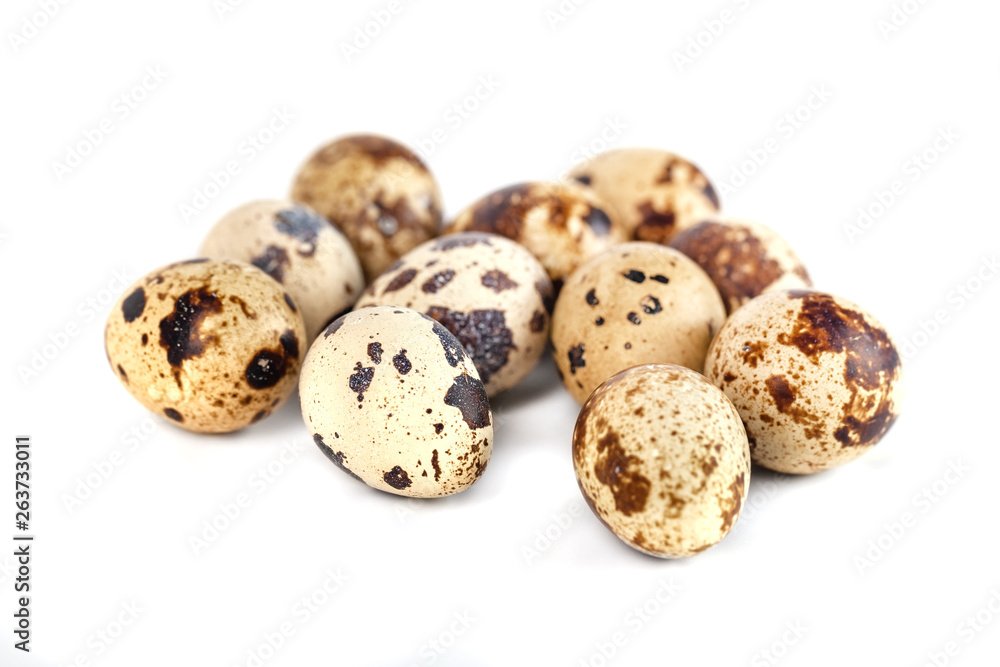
x: 562, y: 225
x: 211, y: 345
x: 638, y: 303
x: 297, y: 247
x: 393, y: 400
x: 377, y: 191
x: 487, y: 290
x: 744, y: 259
x: 662, y: 459
x: 655, y: 194
x: 816, y: 379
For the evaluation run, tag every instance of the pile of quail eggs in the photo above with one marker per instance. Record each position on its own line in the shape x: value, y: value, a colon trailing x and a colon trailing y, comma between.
x: 694, y: 342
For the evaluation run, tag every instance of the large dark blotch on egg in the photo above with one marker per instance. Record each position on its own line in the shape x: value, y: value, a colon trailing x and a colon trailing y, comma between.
x: 437, y: 281
x: 621, y: 473
x: 179, y: 331
x: 269, y: 366
x: 468, y: 394
x: 336, y: 457
x: 360, y: 380
x: 483, y: 334
x: 453, y: 351
x: 397, y: 478
x: 273, y: 261
x: 598, y: 221
x: 301, y: 224
x: 134, y: 304
x: 503, y: 212
x: 400, y: 281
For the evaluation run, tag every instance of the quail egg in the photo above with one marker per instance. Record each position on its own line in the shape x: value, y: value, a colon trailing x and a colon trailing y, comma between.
x: 655, y: 194
x: 377, y: 191
x: 637, y: 303
x: 393, y: 400
x: 662, y: 459
x: 211, y: 345
x: 816, y: 379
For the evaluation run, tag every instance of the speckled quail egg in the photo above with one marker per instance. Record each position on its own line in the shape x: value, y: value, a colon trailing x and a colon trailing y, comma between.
x: 655, y: 194
x: 816, y: 379
x: 487, y: 290
x: 638, y: 303
x: 377, y: 191
x: 211, y: 345
x: 744, y: 259
x: 297, y: 247
x: 393, y: 400
x: 562, y: 225
x: 662, y: 459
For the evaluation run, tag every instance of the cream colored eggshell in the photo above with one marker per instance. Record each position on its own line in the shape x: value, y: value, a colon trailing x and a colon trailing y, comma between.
x: 743, y: 258
x: 377, y: 191
x: 562, y: 225
x: 297, y: 247
x: 391, y: 398
x: 487, y: 290
x: 816, y: 379
x: 662, y: 459
x: 655, y: 194
x: 212, y: 345
x: 638, y: 303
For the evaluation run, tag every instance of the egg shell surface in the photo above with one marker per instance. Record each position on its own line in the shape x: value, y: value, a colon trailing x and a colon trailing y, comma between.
x: 212, y: 345
x: 662, y: 459
x: 638, y: 303
x: 655, y: 194
x: 391, y: 398
x: 816, y: 379
x: 375, y: 190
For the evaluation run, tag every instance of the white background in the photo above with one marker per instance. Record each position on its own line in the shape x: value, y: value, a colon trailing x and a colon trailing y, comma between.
x: 413, y: 568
